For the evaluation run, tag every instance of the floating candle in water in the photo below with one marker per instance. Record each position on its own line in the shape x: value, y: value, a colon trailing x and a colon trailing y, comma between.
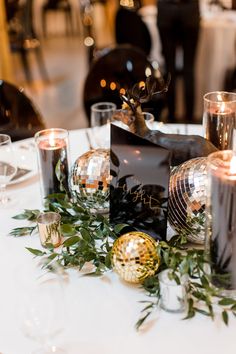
x: 222, y: 218
x: 219, y: 118
x: 52, y: 150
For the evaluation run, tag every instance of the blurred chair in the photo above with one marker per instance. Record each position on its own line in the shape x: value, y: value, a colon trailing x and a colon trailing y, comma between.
x: 62, y: 6
x: 114, y: 71
x: 22, y: 36
x: 130, y: 29
x: 12, y: 7
x: 18, y: 116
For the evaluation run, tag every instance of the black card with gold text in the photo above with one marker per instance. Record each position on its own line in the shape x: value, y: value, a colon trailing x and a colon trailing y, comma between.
x: 140, y: 173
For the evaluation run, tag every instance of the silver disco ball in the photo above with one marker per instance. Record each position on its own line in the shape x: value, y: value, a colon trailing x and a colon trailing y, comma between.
x: 89, y: 180
x: 187, y: 199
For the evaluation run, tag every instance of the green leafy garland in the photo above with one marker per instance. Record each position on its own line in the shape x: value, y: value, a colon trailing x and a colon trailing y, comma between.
x: 89, y: 238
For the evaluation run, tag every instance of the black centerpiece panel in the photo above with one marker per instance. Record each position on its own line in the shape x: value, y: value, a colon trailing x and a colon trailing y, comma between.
x: 140, y: 173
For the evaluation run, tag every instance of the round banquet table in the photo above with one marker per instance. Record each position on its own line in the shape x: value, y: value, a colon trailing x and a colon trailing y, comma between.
x: 101, y: 312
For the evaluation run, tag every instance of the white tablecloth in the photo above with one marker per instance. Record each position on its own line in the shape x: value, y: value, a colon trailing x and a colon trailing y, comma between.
x: 101, y: 312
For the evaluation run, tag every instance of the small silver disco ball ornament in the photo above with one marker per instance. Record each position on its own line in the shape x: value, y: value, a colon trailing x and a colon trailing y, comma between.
x: 187, y: 199
x: 89, y: 180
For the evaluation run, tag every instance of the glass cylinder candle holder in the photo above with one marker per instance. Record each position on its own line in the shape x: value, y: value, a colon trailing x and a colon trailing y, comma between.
x: 219, y: 118
x: 221, y: 218
x: 173, y: 295
x: 53, y: 152
x: 49, y: 228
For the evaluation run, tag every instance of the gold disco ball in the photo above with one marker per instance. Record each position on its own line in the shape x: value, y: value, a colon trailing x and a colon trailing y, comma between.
x: 187, y: 199
x: 134, y: 256
x: 89, y: 179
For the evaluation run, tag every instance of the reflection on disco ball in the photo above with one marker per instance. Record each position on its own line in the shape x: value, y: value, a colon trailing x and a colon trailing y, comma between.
x: 90, y: 178
x: 187, y: 198
x: 134, y: 256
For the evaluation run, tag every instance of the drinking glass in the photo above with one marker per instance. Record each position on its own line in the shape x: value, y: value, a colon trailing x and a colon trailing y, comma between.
x: 41, y: 311
x: 8, y: 167
x: 101, y: 115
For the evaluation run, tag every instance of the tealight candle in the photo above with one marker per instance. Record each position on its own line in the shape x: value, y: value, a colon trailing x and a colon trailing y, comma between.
x: 52, y: 149
x: 49, y: 228
x: 221, y: 218
x: 219, y: 118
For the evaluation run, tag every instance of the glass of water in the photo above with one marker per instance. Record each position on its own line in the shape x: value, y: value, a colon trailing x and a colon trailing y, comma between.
x: 101, y: 116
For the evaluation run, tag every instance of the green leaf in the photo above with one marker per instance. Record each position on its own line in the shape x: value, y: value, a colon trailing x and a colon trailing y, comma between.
x: 190, y: 314
x: 22, y: 231
x: 225, y: 317
x: 20, y: 217
x: 71, y: 241
x: 68, y: 230
x: 203, y: 312
x: 205, y: 281
x: 119, y: 227
x: 36, y: 252
x: 85, y: 234
x: 140, y: 322
x: 108, y: 261
x: 30, y: 215
x: 226, y: 302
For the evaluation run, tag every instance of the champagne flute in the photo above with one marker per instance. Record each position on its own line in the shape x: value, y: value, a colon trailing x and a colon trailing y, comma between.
x: 41, y: 312
x: 8, y: 167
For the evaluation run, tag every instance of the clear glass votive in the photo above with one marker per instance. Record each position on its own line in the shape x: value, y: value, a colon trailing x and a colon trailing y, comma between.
x: 173, y: 295
x: 219, y: 118
x: 149, y: 119
x: 49, y: 228
x: 53, y: 159
x: 221, y: 218
x: 101, y: 113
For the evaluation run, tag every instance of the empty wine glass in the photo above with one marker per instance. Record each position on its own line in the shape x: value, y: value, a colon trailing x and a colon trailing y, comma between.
x: 41, y: 312
x: 8, y: 167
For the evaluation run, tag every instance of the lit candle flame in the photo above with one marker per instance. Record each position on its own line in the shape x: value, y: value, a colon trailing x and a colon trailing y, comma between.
x: 52, y: 139
x: 222, y: 107
x: 233, y: 165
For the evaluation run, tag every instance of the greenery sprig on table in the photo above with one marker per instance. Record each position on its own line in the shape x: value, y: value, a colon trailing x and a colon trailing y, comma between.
x: 89, y: 238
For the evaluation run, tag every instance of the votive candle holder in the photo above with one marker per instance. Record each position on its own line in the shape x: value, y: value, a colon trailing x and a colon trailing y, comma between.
x: 53, y: 157
x: 219, y: 118
x: 49, y: 229
x: 221, y: 218
x: 173, y: 295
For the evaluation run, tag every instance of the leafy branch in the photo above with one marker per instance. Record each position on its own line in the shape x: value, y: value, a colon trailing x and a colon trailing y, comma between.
x: 89, y: 238
x: 202, y: 296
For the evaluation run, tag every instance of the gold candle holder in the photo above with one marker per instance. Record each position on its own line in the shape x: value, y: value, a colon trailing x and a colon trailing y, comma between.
x: 49, y: 229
